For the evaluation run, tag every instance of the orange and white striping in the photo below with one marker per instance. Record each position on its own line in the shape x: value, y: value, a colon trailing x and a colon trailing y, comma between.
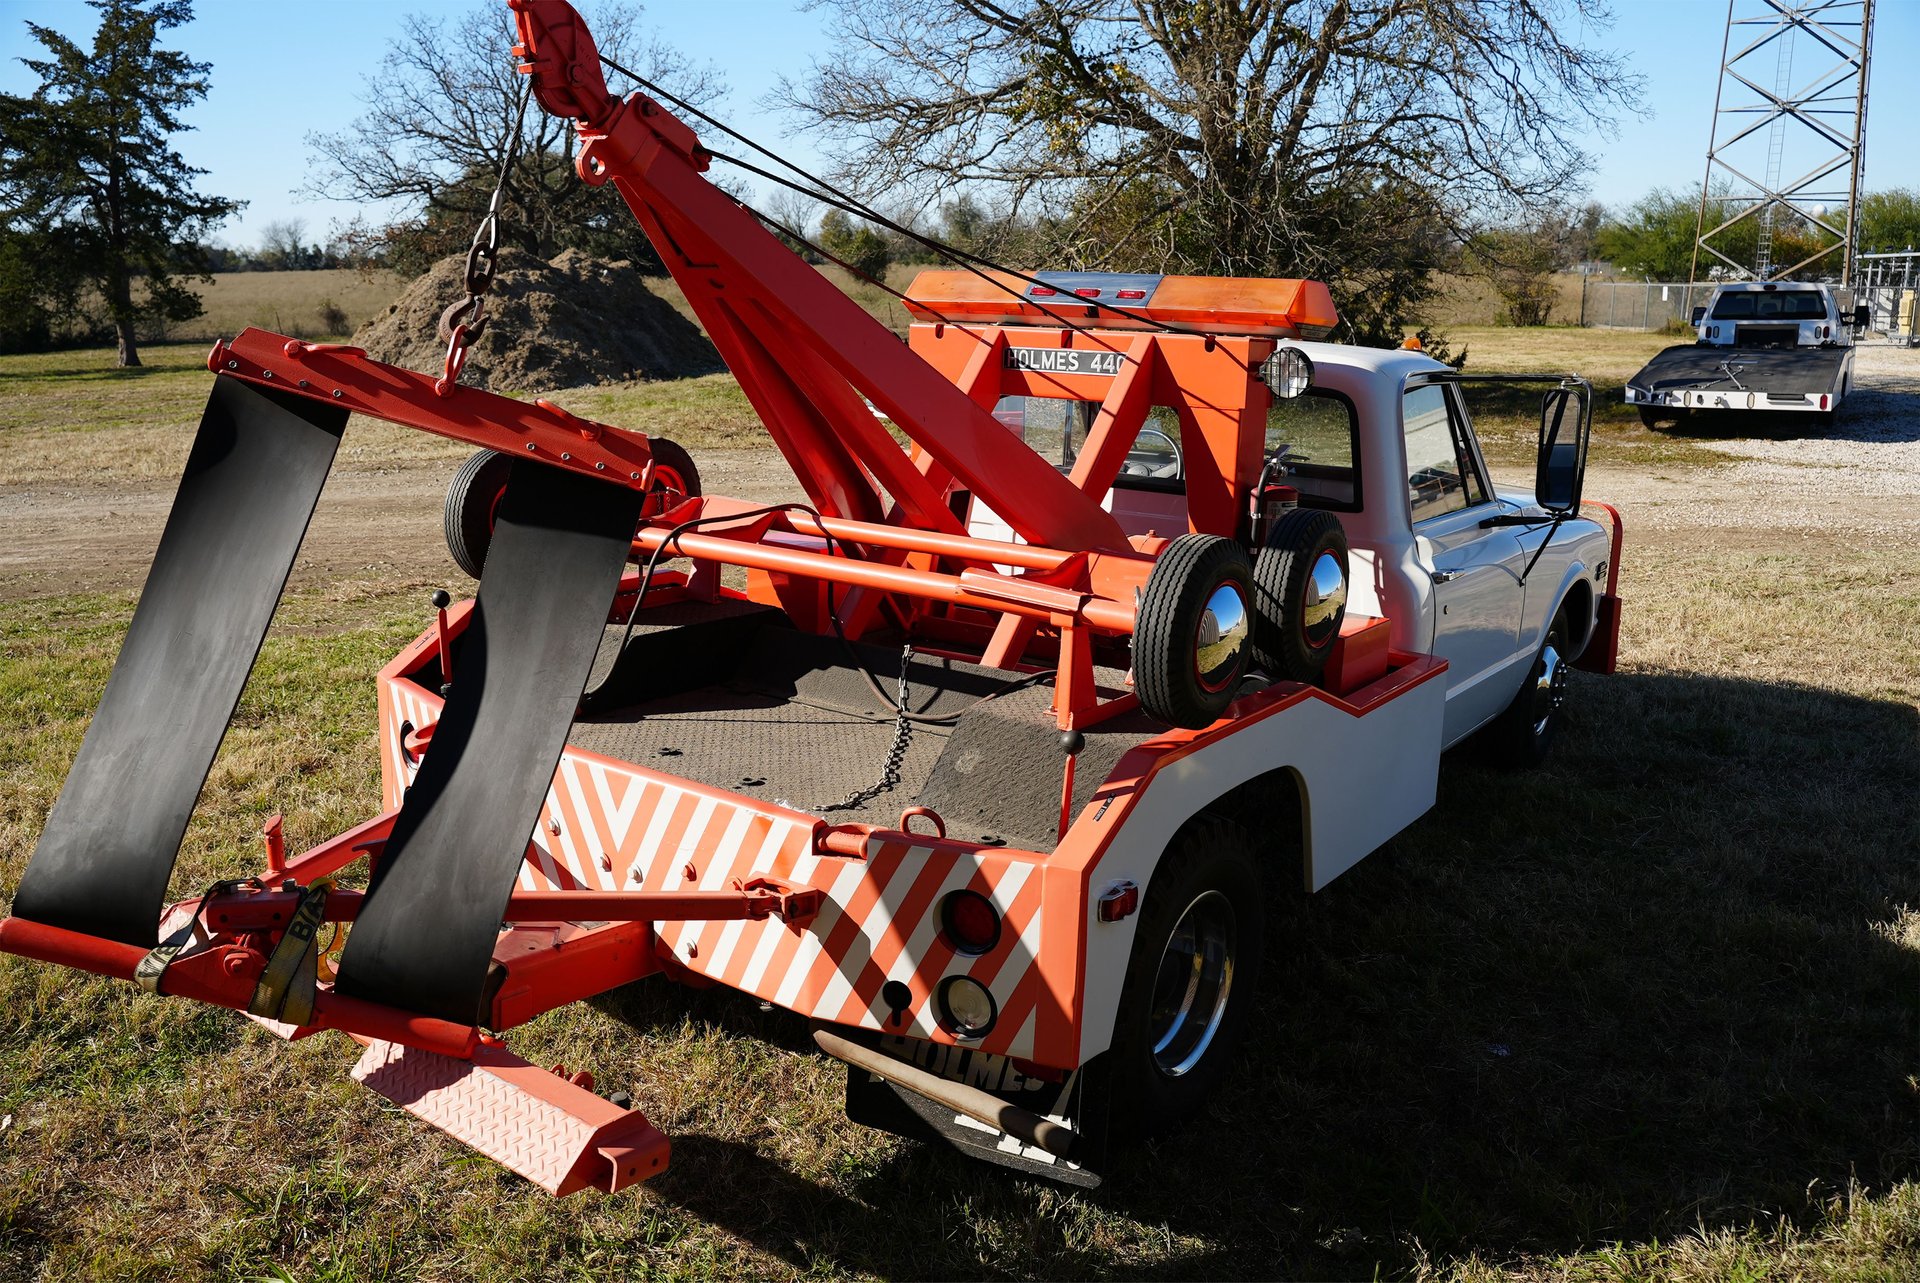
x: 611, y: 826
x: 403, y: 706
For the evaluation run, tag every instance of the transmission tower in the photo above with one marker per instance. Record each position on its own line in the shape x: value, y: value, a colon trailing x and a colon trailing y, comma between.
x: 1806, y: 119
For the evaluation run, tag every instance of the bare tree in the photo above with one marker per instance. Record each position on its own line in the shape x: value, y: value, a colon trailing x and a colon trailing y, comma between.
x: 440, y: 120
x: 1325, y: 137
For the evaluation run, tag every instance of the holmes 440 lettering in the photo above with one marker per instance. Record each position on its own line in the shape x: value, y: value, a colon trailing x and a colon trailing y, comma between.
x: 1064, y: 360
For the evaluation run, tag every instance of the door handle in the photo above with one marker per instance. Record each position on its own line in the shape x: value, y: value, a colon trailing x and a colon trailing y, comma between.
x: 1444, y: 576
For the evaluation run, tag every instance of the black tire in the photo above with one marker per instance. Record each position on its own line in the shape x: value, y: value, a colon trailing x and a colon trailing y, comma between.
x: 1521, y: 736
x: 1210, y: 874
x: 674, y: 476
x: 1182, y: 680
x: 472, y: 496
x: 475, y: 492
x: 1649, y: 417
x: 1294, y: 626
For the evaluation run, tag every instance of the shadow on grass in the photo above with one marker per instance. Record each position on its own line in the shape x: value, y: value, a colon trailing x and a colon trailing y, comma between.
x: 1652, y: 986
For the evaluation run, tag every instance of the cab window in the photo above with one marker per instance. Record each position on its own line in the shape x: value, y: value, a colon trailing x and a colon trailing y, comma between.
x: 1441, y: 474
x: 1316, y: 430
x: 1056, y: 430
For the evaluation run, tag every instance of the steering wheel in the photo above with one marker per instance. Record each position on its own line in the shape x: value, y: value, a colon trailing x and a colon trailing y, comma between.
x: 1179, y: 463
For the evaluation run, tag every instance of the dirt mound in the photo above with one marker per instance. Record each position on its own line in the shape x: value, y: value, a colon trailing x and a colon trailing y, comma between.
x: 568, y: 323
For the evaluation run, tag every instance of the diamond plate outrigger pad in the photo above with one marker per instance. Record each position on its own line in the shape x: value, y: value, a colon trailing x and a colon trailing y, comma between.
x: 252, y: 479
x: 424, y: 937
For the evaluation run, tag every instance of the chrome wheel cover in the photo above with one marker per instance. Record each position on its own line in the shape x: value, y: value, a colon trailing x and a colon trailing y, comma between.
x: 1221, y: 636
x: 1549, y: 687
x: 1325, y: 603
x: 1191, y: 987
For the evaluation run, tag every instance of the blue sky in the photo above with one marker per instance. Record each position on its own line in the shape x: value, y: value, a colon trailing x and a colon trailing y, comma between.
x: 282, y: 70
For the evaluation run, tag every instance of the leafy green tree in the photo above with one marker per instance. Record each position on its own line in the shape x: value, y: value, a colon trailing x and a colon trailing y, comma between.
x: 1890, y: 220
x: 85, y: 163
x: 1653, y: 237
x: 857, y: 245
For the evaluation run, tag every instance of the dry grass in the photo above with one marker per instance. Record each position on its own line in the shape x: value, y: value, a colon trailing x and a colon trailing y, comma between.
x: 72, y: 418
x: 1648, y: 1013
x: 1471, y: 301
x: 286, y: 302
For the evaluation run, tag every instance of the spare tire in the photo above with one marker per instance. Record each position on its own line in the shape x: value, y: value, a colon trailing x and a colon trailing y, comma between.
x: 472, y: 496
x: 475, y: 492
x: 674, y: 477
x: 1299, y: 594
x: 1192, y: 639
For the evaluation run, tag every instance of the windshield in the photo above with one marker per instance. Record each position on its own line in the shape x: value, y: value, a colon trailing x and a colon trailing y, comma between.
x: 1783, y: 305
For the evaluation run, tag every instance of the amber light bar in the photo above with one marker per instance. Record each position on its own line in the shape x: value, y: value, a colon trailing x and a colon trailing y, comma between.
x: 1212, y: 304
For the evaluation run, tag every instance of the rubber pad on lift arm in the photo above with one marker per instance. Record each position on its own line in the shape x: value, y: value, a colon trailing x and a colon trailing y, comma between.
x: 252, y: 478
x: 425, y: 934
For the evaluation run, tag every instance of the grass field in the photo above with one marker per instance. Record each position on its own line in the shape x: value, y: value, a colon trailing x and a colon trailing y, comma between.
x: 1652, y: 1012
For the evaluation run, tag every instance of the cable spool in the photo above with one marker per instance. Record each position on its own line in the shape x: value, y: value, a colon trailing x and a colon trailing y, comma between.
x: 1299, y: 594
x: 1193, y: 638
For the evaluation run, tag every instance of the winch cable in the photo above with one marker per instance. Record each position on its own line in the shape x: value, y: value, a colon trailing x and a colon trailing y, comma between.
x: 828, y: 194
x: 835, y: 547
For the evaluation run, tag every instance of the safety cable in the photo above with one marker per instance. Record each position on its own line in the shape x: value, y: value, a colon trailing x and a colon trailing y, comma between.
x: 834, y: 547
x: 964, y: 258
x: 782, y: 229
x: 850, y: 204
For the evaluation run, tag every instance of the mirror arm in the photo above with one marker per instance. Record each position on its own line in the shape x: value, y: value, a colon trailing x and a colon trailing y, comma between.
x: 1535, y: 559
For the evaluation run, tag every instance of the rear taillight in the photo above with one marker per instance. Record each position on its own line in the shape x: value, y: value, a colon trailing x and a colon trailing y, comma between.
x: 1088, y: 292
x: 1134, y: 295
x: 1041, y: 291
x: 970, y: 922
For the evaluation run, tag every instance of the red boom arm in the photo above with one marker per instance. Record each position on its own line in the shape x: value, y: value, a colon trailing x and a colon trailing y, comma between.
x: 805, y: 353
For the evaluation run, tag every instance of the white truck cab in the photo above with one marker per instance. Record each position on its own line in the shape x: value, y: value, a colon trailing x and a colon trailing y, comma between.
x: 1383, y: 439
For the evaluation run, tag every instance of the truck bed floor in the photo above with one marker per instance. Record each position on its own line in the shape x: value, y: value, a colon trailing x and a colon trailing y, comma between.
x: 731, y: 696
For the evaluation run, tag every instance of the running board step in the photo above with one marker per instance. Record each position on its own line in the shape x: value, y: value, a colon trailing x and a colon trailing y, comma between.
x: 558, y: 1135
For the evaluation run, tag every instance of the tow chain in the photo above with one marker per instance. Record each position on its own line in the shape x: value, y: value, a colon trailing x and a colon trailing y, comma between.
x: 466, y: 320
x: 896, y: 752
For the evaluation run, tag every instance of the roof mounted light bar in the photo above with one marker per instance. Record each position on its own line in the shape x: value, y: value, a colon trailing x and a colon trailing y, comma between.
x: 1273, y: 308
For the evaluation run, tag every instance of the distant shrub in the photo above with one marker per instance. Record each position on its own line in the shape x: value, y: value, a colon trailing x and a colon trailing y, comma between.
x: 333, y: 318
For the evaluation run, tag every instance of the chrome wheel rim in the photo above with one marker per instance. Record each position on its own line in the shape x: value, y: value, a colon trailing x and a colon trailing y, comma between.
x: 1549, y: 687
x: 1220, y: 636
x: 1325, y: 602
x: 1191, y: 987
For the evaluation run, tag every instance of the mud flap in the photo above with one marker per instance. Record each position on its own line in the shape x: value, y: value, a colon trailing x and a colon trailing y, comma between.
x: 252, y: 479
x: 1077, y: 1102
x: 426, y: 931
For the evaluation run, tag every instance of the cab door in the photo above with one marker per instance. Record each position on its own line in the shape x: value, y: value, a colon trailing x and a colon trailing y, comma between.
x: 1474, y: 571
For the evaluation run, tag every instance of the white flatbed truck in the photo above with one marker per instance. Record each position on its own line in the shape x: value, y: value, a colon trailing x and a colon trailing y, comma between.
x: 1759, y: 347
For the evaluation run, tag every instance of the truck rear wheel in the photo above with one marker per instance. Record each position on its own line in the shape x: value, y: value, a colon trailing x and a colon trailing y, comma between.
x: 474, y: 494
x: 1299, y: 594
x: 1522, y: 734
x: 1188, y: 993
x: 1192, y: 639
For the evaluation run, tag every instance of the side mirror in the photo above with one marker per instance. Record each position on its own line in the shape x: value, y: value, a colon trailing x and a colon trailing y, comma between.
x: 1699, y: 315
x: 1561, y: 465
x: 1862, y: 317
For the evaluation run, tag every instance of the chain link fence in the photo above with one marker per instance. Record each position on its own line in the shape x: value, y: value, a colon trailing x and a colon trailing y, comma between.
x: 1638, y: 305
